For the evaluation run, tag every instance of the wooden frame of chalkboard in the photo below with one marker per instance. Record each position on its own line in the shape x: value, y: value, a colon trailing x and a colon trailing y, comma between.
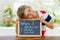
x: 27, y: 35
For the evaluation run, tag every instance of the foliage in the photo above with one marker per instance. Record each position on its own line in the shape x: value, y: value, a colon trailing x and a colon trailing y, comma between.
x: 8, y: 18
x: 55, y: 18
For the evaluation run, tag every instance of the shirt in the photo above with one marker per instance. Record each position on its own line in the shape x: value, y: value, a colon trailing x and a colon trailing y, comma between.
x: 46, y: 17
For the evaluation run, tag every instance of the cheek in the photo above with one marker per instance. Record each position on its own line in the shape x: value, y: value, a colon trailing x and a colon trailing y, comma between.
x: 25, y: 14
x: 35, y: 14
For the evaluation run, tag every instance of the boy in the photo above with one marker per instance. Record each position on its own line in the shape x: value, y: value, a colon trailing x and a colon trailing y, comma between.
x: 26, y: 12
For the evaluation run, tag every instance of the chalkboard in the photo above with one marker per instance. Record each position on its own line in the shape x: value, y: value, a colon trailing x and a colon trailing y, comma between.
x: 29, y: 27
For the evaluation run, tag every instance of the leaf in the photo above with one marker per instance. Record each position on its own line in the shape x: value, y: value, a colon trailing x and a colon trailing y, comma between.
x: 13, y: 21
x: 55, y: 20
x: 9, y: 25
x: 3, y: 23
x: 54, y: 14
x: 8, y: 10
x: 59, y: 1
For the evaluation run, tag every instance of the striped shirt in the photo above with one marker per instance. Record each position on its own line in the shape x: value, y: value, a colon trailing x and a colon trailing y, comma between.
x: 46, y: 17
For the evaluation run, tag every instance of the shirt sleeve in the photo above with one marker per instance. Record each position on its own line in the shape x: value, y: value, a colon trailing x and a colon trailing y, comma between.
x: 48, y: 19
x: 46, y: 16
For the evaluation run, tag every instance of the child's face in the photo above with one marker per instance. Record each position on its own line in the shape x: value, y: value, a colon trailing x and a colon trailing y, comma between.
x: 30, y: 13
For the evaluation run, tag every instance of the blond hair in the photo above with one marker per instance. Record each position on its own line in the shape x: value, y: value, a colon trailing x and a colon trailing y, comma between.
x: 21, y: 11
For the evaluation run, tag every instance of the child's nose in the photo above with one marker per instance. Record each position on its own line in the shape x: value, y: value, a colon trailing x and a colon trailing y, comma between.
x: 29, y: 15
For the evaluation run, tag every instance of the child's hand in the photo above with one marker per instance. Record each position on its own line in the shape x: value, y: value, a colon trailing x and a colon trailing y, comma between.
x: 40, y: 18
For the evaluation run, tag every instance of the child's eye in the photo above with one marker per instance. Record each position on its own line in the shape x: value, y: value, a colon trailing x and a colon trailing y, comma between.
x: 29, y: 10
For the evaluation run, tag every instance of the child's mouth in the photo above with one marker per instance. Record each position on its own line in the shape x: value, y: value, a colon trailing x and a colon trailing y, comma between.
x: 30, y: 16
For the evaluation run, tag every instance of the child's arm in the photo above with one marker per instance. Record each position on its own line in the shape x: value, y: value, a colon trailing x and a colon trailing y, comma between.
x: 48, y: 24
x: 17, y: 25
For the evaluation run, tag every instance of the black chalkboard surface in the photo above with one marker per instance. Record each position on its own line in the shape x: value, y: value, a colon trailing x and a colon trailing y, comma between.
x: 29, y: 28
